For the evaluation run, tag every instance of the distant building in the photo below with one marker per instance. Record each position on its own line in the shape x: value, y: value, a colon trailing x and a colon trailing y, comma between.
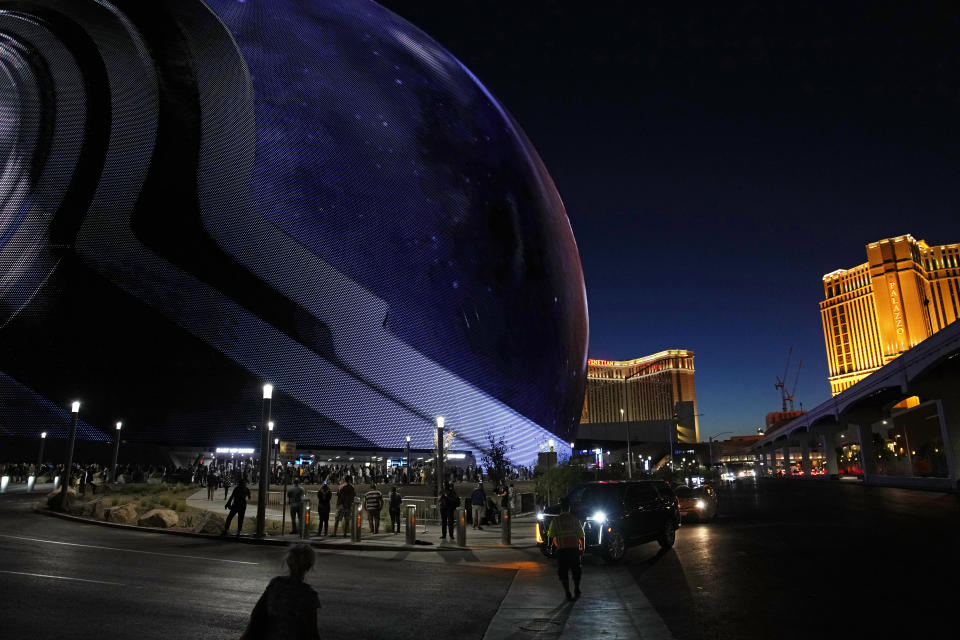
x: 658, y: 388
x: 905, y: 292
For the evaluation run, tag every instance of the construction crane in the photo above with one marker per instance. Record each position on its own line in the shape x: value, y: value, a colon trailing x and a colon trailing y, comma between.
x: 781, y: 385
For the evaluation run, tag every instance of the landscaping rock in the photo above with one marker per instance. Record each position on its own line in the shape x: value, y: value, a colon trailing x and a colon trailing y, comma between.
x: 99, y: 509
x: 124, y: 514
x: 208, y: 522
x: 162, y: 518
x: 53, y: 498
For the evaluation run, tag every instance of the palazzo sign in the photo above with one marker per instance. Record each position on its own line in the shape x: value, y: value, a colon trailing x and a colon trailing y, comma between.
x: 899, y: 323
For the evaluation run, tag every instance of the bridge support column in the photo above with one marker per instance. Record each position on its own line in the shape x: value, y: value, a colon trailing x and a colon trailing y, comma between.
x: 786, y: 461
x: 829, y: 441
x: 772, y: 462
x: 805, y: 456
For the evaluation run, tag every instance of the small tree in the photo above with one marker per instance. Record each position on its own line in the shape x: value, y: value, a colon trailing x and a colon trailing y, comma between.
x: 556, y: 482
x: 495, y: 459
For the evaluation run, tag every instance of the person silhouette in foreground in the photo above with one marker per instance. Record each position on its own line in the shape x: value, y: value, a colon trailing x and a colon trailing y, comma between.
x: 288, y: 608
x: 237, y: 505
x: 566, y: 534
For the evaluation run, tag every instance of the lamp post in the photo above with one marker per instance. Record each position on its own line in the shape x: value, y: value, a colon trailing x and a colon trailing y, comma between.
x: 276, y: 451
x: 629, y: 457
x: 43, y: 440
x: 440, y: 422
x: 710, y: 443
x: 74, y: 412
x: 406, y: 469
x: 116, y: 453
x: 276, y: 441
x: 264, y: 462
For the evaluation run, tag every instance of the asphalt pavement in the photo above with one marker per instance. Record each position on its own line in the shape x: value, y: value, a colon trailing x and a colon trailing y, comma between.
x: 784, y: 559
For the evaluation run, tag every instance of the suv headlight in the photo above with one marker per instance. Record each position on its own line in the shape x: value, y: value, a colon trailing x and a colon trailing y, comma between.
x: 540, y: 516
x: 599, y: 517
x: 701, y: 504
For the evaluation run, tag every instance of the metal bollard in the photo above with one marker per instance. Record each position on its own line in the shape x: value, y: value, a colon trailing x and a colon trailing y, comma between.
x: 305, y: 519
x: 56, y: 483
x: 357, y: 519
x: 505, y: 526
x: 410, y: 527
x: 461, y: 526
x: 4, y: 481
x: 30, y: 482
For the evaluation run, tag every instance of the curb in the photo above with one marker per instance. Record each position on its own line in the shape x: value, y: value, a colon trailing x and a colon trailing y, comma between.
x: 339, y: 546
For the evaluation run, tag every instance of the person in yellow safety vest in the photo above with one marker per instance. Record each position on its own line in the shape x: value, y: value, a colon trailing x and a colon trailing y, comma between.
x: 566, y: 534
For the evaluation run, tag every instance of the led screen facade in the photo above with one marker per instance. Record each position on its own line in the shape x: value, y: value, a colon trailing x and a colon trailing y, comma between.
x: 198, y: 198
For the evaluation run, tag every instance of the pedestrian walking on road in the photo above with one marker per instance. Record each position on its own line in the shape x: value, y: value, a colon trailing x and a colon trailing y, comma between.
x: 289, y: 607
x: 396, y: 500
x: 345, y: 495
x: 373, y: 503
x: 478, y: 503
x: 237, y: 504
x: 295, y: 500
x: 323, y: 510
x: 566, y: 534
x: 225, y: 481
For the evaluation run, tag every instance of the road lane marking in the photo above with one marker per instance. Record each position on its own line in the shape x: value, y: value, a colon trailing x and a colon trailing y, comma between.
x: 44, y: 575
x: 149, y: 553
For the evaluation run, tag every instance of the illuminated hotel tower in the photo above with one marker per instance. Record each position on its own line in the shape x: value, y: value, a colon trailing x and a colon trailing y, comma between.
x: 658, y: 387
x: 904, y: 293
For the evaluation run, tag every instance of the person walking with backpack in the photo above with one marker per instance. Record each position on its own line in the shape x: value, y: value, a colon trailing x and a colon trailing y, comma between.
x: 373, y: 503
x: 323, y: 509
x: 478, y: 504
x: 295, y: 500
x: 396, y: 500
x: 566, y: 534
x: 237, y: 504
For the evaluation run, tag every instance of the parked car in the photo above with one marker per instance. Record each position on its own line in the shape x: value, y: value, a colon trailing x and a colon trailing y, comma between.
x: 618, y: 514
x: 697, y: 503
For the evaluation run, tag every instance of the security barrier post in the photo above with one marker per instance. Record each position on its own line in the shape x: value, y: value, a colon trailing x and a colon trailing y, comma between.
x: 357, y: 519
x: 410, y: 527
x: 305, y: 519
x: 505, y: 527
x: 461, y: 526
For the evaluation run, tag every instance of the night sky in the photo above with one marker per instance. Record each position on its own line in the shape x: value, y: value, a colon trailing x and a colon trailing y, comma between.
x: 716, y: 161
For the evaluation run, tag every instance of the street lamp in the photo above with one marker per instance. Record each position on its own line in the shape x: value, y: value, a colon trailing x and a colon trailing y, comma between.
x: 710, y: 443
x: 264, y: 462
x: 629, y: 457
x: 406, y: 469
x: 116, y: 452
x: 43, y: 440
x: 440, y: 422
x: 74, y: 412
x: 276, y: 451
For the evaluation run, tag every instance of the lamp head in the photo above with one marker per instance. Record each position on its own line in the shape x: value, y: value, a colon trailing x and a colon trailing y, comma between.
x: 43, y: 435
x: 267, y: 391
x: 119, y: 424
x: 75, y: 407
x: 270, y: 425
x: 440, y: 422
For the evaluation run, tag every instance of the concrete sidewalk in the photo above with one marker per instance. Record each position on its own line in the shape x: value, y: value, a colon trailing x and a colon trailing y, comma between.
x: 612, y: 606
x: 523, y: 533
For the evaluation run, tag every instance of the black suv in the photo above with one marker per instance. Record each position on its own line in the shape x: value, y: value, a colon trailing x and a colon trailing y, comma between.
x: 616, y: 515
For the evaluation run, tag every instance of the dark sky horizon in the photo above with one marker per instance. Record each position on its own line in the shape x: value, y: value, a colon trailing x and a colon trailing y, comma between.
x: 716, y: 161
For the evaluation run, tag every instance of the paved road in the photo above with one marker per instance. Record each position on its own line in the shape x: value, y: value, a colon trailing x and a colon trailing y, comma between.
x: 783, y: 560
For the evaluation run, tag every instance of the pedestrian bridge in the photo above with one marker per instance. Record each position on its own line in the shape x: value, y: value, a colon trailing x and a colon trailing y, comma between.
x: 899, y: 426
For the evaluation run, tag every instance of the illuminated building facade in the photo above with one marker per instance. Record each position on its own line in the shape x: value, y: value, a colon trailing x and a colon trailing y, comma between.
x: 905, y: 292
x: 314, y: 194
x: 658, y: 387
